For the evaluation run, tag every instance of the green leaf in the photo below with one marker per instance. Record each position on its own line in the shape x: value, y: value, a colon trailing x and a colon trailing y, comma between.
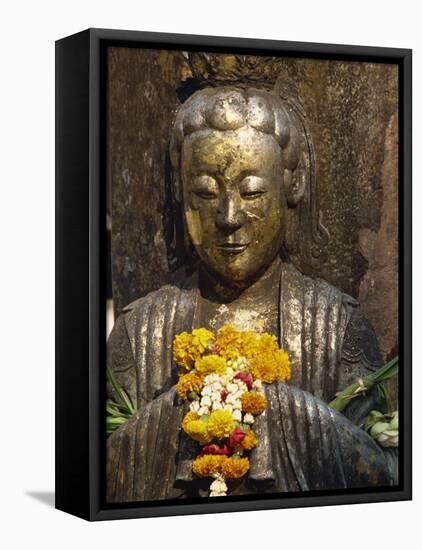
x: 122, y: 395
x: 358, y: 388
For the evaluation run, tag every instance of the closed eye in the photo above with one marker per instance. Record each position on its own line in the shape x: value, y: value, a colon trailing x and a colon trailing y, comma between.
x: 205, y: 187
x: 253, y: 187
x: 252, y: 194
x: 207, y: 195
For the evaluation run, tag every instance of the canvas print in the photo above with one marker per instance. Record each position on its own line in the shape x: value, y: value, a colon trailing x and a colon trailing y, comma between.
x: 252, y: 265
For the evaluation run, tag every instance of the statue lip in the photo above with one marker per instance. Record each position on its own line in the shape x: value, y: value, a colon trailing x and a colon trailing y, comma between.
x: 233, y: 248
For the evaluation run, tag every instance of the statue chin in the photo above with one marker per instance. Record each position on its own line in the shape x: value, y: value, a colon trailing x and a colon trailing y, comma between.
x: 237, y: 269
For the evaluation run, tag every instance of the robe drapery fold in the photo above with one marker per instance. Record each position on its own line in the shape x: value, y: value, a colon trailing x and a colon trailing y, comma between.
x: 302, y: 443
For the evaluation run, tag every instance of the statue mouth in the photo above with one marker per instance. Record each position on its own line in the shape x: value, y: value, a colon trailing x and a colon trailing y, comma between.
x: 230, y: 249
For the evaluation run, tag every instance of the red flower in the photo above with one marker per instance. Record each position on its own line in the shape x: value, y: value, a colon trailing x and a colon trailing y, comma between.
x: 216, y: 450
x: 246, y: 377
x: 236, y: 437
x: 224, y: 393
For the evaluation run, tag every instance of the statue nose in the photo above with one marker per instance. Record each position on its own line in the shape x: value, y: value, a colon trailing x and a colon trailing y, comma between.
x: 229, y: 216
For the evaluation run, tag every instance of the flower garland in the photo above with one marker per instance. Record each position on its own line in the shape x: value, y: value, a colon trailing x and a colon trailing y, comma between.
x: 222, y: 376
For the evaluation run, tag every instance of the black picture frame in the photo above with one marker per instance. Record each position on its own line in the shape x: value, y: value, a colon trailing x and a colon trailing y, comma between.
x: 80, y: 273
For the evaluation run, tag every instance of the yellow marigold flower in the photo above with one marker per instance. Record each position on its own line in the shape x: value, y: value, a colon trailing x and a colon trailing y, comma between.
x: 207, y: 465
x: 188, y: 382
x: 201, y: 337
x: 233, y: 468
x: 210, y: 364
x: 182, y: 350
x: 249, y: 441
x: 189, y: 417
x: 187, y: 348
x: 253, y: 403
x: 197, y: 430
x: 220, y: 424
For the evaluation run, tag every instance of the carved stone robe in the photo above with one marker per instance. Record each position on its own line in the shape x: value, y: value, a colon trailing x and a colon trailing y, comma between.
x: 302, y: 443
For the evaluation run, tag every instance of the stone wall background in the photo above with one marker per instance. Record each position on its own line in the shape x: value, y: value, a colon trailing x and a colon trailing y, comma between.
x: 352, y: 112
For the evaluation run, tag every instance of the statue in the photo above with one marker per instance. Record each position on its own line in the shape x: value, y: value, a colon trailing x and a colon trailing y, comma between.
x: 243, y: 176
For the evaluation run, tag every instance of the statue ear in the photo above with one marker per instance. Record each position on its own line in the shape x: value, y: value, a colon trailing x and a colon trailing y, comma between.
x: 295, y: 182
x: 297, y: 161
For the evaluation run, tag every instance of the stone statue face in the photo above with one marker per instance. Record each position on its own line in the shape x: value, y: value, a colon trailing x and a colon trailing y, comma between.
x: 233, y: 201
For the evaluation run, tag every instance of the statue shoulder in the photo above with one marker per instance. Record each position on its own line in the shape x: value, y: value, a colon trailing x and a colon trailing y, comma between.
x: 159, y: 298
x: 359, y: 341
x: 170, y: 303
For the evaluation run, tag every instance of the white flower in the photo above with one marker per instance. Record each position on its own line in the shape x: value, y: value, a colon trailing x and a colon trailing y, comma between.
x: 216, y: 396
x: 194, y: 406
x: 385, y: 429
x: 232, y: 388
x: 216, y: 406
x: 241, y: 363
x: 248, y: 418
x: 210, y: 378
x: 206, y: 390
x: 203, y: 410
x: 206, y: 401
x: 218, y: 486
x: 227, y: 407
x: 237, y: 404
x: 238, y: 394
x: 258, y: 385
x: 237, y: 415
x: 216, y: 386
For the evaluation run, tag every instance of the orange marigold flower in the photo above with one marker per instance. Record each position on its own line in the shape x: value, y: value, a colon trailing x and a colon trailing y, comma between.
x: 267, y: 362
x: 210, y: 364
x: 189, y: 417
x: 229, y: 342
x: 233, y: 468
x: 253, y: 403
x: 207, y: 465
x: 188, y: 382
x: 270, y: 366
x: 249, y: 441
x: 283, y: 365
